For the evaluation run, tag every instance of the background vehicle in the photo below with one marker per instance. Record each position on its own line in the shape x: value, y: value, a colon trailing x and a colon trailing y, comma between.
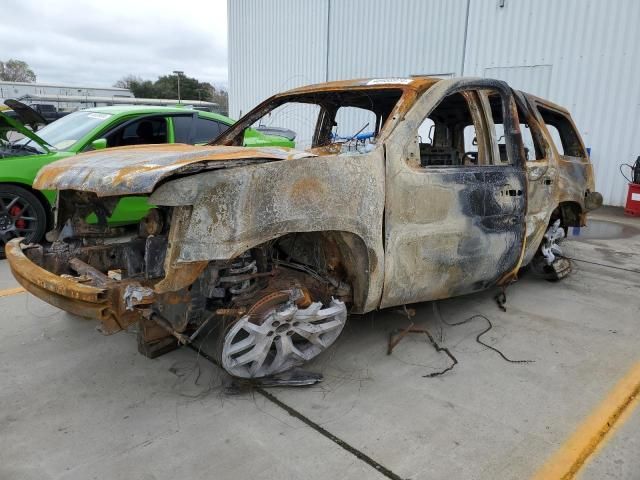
x: 49, y: 112
x: 27, y: 212
x: 440, y: 199
x: 23, y: 114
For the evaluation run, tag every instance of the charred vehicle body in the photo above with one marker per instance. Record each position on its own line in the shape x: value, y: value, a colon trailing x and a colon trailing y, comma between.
x: 398, y: 191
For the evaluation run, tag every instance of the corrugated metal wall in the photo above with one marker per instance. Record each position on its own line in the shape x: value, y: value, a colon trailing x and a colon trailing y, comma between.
x: 581, y: 54
x: 395, y: 38
x: 387, y: 39
x: 274, y: 45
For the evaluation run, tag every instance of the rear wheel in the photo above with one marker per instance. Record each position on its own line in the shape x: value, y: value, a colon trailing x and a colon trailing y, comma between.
x: 21, y: 215
x: 549, y: 262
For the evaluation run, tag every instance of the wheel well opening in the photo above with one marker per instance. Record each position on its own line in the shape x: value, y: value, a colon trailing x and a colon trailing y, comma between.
x: 569, y: 213
x: 340, y: 255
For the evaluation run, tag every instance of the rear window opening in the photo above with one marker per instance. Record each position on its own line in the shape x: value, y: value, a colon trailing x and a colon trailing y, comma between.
x: 563, y: 133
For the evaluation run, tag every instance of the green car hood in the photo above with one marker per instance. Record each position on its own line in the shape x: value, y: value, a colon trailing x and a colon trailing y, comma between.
x: 137, y: 170
x: 8, y: 124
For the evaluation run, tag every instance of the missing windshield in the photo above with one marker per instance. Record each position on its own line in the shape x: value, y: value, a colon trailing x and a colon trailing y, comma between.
x: 325, y: 122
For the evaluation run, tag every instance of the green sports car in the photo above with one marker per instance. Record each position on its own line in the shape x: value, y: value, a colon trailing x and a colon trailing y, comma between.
x: 25, y: 212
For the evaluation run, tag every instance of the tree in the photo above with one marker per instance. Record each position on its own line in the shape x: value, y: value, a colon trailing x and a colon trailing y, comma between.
x: 190, y: 88
x: 166, y: 86
x: 128, y: 81
x: 139, y: 87
x: 221, y: 97
x: 16, y: 71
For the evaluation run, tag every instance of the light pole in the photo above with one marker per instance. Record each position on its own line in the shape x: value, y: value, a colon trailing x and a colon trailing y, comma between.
x: 178, y: 73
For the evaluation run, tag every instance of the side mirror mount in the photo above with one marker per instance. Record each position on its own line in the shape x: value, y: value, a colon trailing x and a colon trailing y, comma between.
x: 535, y: 171
x: 99, y: 144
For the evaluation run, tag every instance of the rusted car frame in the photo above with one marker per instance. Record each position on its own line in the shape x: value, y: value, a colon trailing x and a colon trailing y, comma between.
x: 271, y: 246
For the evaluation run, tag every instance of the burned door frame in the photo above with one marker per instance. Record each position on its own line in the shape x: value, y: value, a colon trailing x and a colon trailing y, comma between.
x: 542, y: 178
x: 573, y: 170
x: 439, y: 240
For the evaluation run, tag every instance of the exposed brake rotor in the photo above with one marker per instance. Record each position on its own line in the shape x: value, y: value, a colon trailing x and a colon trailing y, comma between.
x: 272, y: 300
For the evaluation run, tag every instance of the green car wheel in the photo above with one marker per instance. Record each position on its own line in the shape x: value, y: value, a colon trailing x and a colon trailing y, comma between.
x: 21, y: 215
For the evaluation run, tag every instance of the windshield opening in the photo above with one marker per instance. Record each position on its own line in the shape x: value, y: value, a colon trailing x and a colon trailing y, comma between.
x: 326, y: 122
x: 65, y: 132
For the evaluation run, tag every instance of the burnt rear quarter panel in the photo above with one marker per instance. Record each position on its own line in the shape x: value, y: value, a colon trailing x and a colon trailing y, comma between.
x: 575, y: 172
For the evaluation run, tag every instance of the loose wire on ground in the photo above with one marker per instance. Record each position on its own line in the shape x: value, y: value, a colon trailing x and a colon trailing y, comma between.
x: 397, y: 335
x: 440, y: 349
x: 436, y: 310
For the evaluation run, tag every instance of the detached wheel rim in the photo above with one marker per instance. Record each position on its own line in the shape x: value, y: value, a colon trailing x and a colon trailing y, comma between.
x: 18, y: 218
x: 284, y: 337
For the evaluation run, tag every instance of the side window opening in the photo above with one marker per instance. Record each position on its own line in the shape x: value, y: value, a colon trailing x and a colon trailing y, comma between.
x: 495, y: 111
x: 141, y: 132
x: 532, y: 149
x: 562, y: 133
x: 448, y: 136
x: 555, y: 138
x: 471, y: 141
x: 298, y: 117
x: 425, y: 132
x: 206, y: 130
x: 182, y: 129
x: 145, y: 131
x: 532, y: 138
x: 354, y: 125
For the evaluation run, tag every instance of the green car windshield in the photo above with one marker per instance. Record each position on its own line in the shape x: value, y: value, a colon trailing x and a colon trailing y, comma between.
x: 65, y: 132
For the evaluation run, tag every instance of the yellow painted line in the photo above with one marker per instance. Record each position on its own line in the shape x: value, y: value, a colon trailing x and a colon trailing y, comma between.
x: 11, y: 291
x: 595, y: 430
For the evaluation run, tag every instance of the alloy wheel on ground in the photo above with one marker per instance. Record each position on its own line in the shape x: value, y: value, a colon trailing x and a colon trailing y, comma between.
x: 279, y: 338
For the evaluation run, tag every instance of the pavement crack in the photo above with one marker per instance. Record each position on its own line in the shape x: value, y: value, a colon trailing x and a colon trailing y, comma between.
x: 324, y: 432
x: 315, y: 426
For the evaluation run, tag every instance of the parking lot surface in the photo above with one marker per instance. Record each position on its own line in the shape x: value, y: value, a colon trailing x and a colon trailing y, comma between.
x: 76, y: 405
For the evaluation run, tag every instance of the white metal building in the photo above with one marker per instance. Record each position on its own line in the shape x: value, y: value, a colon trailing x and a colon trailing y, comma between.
x: 582, y: 54
x: 20, y: 90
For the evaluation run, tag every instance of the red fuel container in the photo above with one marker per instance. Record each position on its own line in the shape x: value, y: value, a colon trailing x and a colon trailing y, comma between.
x: 633, y: 200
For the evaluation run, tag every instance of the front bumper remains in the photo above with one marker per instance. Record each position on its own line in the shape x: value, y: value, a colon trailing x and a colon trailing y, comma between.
x: 107, y: 303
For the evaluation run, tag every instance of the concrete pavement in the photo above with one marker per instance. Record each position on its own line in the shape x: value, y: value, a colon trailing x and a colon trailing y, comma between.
x: 76, y: 405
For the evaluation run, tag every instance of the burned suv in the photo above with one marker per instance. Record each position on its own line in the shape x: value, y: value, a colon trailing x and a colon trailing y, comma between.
x: 398, y: 191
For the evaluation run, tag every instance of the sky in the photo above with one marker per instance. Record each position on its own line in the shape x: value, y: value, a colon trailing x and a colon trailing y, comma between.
x: 96, y: 43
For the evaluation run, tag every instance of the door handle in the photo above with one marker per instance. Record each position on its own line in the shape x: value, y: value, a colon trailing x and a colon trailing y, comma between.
x: 511, y: 192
